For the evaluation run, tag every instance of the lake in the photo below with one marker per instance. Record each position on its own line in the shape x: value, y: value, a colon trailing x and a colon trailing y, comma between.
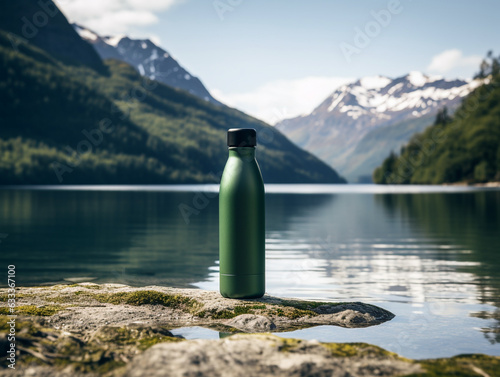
x: 429, y: 254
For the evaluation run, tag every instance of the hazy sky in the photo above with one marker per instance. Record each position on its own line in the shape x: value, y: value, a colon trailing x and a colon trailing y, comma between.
x: 281, y: 58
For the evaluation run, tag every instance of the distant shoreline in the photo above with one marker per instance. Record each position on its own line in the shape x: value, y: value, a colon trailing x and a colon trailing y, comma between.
x: 273, y: 188
x: 487, y: 184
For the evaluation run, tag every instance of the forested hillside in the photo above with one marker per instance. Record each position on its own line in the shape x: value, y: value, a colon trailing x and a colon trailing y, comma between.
x: 464, y: 147
x: 72, y: 124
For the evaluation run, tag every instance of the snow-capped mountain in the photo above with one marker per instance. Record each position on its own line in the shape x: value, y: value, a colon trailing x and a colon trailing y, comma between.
x: 358, y: 125
x: 149, y: 59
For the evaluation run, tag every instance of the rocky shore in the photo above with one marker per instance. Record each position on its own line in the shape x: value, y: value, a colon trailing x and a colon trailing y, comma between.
x: 116, y: 330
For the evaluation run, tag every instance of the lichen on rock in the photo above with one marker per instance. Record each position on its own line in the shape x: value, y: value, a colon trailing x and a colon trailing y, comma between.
x: 116, y: 330
x: 87, y: 306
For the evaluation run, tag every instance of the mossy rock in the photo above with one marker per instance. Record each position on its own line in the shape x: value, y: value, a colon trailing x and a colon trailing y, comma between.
x: 106, y: 351
x: 148, y: 297
x: 180, y: 307
x: 111, y: 348
x: 461, y: 366
x: 43, y: 310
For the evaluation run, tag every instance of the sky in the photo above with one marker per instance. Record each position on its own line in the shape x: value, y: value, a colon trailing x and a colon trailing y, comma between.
x: 276, y: 59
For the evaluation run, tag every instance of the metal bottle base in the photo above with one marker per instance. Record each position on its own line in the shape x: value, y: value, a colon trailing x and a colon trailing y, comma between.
x: 242, y: 286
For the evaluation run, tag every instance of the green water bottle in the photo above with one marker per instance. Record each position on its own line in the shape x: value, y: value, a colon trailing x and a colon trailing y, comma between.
x: 242, y: 236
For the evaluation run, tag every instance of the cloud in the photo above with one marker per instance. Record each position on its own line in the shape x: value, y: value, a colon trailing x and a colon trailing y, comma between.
x: 111, y: 17
x: 451, y: 59
x: 280, y: 99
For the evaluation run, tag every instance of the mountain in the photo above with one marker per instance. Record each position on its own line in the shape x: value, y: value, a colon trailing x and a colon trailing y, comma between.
x: 42, y: 24
x: 359, y: 123
x: 462, y: 148
x: 149, y: 59
x: 72, y: 124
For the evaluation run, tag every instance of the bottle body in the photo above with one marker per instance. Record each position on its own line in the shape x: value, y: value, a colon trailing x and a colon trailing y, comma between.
x: 242, y: 226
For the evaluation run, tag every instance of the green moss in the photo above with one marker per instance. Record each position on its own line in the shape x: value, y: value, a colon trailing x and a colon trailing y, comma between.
x: 69, y: 298
x: 287, y: 311
x: 201, y: 314
x: 288, y: 344
x: 462, y: 365
x: 109, y: 366
x: 221, y: 314
x: 59, y: 287
x: 299, y: 313
x: 277, y: 312
x: 27, y: 327
x: 69, y: 347
x: 341, y: 349
x: 262, y: 309
x: 117, y: 335
x: 148, y: 342
x: 5, y: 297
x: 184, y: 303
x: 307, y: 305
x: 242, y: 309
x: 46, y: 310
x: 143, y: 338
x: 92, y: 286
x: 292, y: 313
x: 236, y: 311
x: 357, y: 349
x: 93, y: 363
x: 258, y: 307
x: 28, y: 359
x: 139, y: 298
x: 101, y: 354
x: 3, y: 324
x: 63, y: 299
x: 80, y: 285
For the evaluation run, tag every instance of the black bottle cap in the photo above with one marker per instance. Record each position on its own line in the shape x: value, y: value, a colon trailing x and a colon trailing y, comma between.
x: 241, y: 137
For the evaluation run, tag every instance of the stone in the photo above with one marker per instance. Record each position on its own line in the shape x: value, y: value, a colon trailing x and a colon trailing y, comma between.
x: 116, y: 330
x: 86, y: 307
x: 252, y: 323
x: 246, y: 355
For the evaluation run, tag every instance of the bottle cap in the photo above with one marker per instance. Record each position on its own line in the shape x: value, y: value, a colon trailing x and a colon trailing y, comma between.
x: 241, y: 137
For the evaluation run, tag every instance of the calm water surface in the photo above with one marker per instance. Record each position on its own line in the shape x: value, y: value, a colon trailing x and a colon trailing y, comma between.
x: 431, y: 255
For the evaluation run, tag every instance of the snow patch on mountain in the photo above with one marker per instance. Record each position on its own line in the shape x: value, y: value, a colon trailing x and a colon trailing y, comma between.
x: 86, y: 34
x: 112, y: 41
x: 148, y: 59
x: 417, y: 78
x: 378, y: 95
x: 374, y: 82
x: 337, y: 97
x: 345, y: 130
